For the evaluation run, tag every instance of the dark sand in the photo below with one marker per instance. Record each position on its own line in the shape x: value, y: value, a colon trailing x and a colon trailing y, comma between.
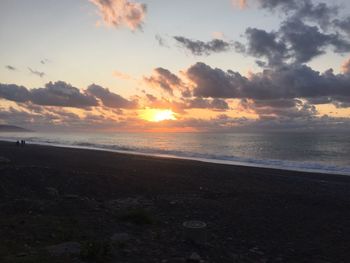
x: 52, y: 195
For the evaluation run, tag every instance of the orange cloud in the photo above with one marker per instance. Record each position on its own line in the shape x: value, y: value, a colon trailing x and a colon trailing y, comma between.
x: 121, y: 13
x: 240, y: 3
x: 121, y: 75
x: 345, y: 68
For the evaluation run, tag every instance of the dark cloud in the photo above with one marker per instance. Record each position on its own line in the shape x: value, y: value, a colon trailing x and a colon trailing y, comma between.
x: 287, y: 82
x: 11, y: 68
x: 199, y: 48
x: 343, y: 24
x: 306, y: 42
x: 308, y: 30
x: 164, y: 79
x: 320, y: 13
x: 61, y: 94
x: 264, y: 44
x: 215, y: 83
x: 110, y: 99
x: 294, y: 42
x: 56, y: 119
x: 200, y: 103
x: 121, y: 13
x: 14, y: 93
x: 283, y: 108
x: 53, y: 94
x: 285, y: 5
x: 37, y: 73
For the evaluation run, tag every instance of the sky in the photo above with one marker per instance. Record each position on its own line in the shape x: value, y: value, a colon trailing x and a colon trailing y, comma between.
x: 152, y: 65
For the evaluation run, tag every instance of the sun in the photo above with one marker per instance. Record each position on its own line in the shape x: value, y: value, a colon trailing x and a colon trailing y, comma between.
x: 157, y: 115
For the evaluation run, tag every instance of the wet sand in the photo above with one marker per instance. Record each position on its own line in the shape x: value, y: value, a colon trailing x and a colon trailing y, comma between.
x: 129, y: 208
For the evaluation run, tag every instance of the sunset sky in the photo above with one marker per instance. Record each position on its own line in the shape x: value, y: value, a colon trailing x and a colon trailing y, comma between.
x: 157, y: 65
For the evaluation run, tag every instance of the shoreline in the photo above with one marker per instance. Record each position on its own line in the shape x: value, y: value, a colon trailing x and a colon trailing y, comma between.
x: 290, y: 168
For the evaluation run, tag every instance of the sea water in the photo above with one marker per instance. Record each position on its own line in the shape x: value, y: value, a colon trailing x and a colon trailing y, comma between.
x: 306, y: 151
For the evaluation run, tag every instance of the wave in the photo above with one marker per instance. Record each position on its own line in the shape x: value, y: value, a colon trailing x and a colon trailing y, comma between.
x: 188, y: 155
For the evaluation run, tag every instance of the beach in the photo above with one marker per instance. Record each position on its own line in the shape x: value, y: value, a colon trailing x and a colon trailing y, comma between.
x: 117, y: 207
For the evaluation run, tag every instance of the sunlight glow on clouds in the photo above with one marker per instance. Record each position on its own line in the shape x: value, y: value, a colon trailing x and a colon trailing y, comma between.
x: 201, y: 89
x: 157, y: 115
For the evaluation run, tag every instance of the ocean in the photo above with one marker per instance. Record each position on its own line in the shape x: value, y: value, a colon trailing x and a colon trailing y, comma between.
x: 301, y: 151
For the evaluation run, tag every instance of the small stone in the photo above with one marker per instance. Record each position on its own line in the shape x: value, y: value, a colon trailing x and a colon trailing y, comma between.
x: 194, y: 258
x: 120, y: 237
x: 4, y: 160
x: 176, y: 260
x: 53, y: 192
x: 68, y: 248
x: 71, y: 196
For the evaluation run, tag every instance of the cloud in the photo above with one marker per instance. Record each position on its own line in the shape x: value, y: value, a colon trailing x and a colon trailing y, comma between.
x: 37, y: 73
x: 161, y: 41
x: 61, y: 94
x: 346, y: 67
x: 264, y: 44
x: 307, y: 42
x: 200, y: 48
x: 58, y: 119
x: 299, y: 122
x: 343, y: 24
x: 218, y: 35
x: 119, y: 13
x: 287, y: 82
x: 200, y: 103
x: 53, y: 94
x: 45, y: 61
x: 280, y: 108
x: 11, y: 68
x: 240, y: 3
x: 308, y: 30
x: 13, y: 92
x: 110, y: 99
x: 122, y: 75
x: 215, y: 83
x: 164, y: 79
x: 294, y: 42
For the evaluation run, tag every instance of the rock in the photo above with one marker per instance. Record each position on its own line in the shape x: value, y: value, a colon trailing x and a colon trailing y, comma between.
x: 174, y: 260
x: 194, y: 258
x: 20, y: 255
x: 53, y: 192
x: 4, y: 160
x: 71, y: 196
x: 120, y: 237
x: 68, y: 248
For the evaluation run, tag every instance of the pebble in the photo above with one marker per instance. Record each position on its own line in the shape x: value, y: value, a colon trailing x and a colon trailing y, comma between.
x: 4, y: 160
x: 174, y: 260
x: 194, y: 258
x: 53, y: 192
x: 120, y: 237
x: 68, y: 248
